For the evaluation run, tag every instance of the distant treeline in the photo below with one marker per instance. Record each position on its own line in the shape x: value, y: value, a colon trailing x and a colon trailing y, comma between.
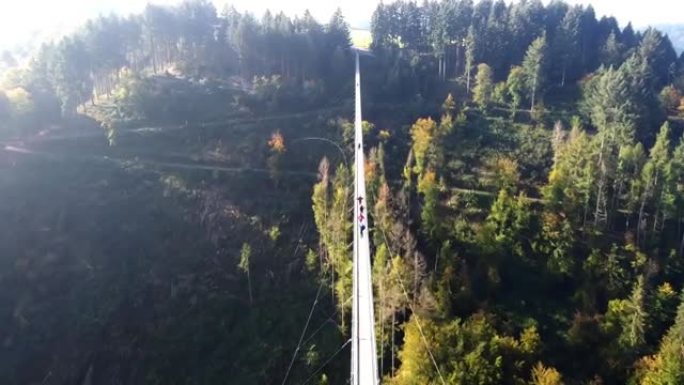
x: 437, y: 40
x: 191, y: 39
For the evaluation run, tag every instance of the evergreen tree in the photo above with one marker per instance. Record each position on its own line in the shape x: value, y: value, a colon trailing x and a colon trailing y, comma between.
x: 628, y: 37
x: 70, y: 68
x: 526, y: 23
x: 572, y: 176
x: 469, y: 55
x: 160, y: 33
x: 380, y: 26
x: 449, y: 105
x: 608, y: 100
x: 427, y: 186
x: 643, y: 103
x: 654, y: 177
x: 482, y: 93
x: 534, y: 68
x: 496, y: 41
x: 331, y: 202
x: 244, y: 265
x: 656, y: 50
x: 516, y: 87
x: 567, y: 44
x: 411, y: 33
x: 337, y: 31
x: 508, y: 219
x: 666, y: 367
x: 589, y: 45
x: 675, y: 186
x: 542, y: 375
x: 634, y: 330
x: 439, y: 37
x: 611, y: 52
x: 196, y: 21
x: 424, y: 135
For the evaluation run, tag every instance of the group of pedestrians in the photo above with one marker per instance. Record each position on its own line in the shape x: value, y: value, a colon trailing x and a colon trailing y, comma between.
x: 361, y: 216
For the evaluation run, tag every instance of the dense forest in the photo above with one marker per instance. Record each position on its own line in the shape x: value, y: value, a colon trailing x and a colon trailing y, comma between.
x: 176, y: 192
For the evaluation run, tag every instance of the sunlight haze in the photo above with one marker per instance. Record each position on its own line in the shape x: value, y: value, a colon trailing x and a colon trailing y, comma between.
x: 41, y: 20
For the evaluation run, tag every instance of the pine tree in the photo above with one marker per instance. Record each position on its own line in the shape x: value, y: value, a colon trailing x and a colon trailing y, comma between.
x: 656, y: 50
x: 341, y: 226
x: 380, y: 26
x: 439, y: 38
x: 508, y: 219
x: 482, y: 93
x: 423, y: 134
x: 542, y: 375
x: 427, y: 186
x: 469, y: 55
x: 496, y: 44
x: 331, y: 202
x: 449, y: 105
x: 634, y: 330
x: 337, y: 31
x: 666, y: 367
x: 612, y: 51
x: 572, y: 175
x: 534, y: 68
x: 411, y: 34
x: 628, y: 37
x: 568, y: 43
x: 244, y: 265
x: 321, y: 212
x: 627, y: 183
x: 70, y: 68
x: 653, y: 177
x: 608, y: 100
x: 516, y: 87
x: 675, y: 185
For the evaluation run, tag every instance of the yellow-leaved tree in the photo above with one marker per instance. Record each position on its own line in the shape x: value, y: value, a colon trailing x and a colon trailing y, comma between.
x: 545, y: 375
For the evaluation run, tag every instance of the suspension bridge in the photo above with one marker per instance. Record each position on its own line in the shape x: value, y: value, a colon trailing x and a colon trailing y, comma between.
x: 364, y: 353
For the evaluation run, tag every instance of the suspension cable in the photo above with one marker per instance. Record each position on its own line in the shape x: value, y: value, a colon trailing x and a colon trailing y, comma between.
x: 326, y: 362
x: 301, y: 337
x: 330, y: 318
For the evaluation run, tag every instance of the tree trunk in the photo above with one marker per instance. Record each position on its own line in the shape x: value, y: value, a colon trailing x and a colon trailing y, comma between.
x: 382, y: 323
x: 657, y: 213
x: 563, y: 76
x: 601, y: 213
x: 601, y: 183
x: 640, y: 218
x: 249, y: 286
x: 415, y: 277
x: 332, y: 286
x: 392, y: 331
x: 468, y: 79
x: 534, y: 91
x: 586, y: 213
x: 457, y: 62
x: 154, y: 55
x: 282, y: 66
x: 439, y: 68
